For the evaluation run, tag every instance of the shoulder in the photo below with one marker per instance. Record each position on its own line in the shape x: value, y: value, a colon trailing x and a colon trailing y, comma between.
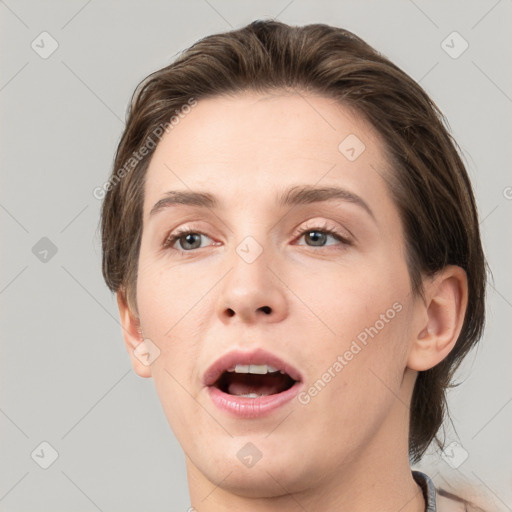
x: 448, y: 502
x: 445, y: 504
x: 440, y: 500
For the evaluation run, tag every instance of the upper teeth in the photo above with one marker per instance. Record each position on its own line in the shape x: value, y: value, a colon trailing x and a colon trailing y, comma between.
x: 254, y: 368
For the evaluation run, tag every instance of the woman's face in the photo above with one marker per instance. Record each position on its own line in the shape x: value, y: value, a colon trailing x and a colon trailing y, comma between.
x: 261, y: 273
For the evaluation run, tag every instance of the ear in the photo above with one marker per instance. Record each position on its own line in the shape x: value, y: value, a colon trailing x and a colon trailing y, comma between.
x: 439, y: 319
x: 133, y: 337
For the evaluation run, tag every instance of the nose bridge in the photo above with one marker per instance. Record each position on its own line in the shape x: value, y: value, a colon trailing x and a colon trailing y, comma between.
x: 251, y: 290
x: 249, y: 263
x: 251, y: 239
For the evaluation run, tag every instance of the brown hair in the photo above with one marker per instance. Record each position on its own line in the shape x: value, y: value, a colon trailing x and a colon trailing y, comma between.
x: 429, y: 183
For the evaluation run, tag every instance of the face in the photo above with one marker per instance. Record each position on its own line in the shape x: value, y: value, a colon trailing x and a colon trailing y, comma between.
x: 321, y: 284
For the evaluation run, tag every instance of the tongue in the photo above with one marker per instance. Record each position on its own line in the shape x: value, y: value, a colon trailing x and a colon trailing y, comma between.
x: 268, y: 384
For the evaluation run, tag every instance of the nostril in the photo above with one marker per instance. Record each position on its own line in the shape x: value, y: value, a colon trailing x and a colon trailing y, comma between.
x: 266, y: 309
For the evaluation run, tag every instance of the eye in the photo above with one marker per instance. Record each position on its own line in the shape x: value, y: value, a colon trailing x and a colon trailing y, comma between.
x: 318, y: 236
x: 188, y: 238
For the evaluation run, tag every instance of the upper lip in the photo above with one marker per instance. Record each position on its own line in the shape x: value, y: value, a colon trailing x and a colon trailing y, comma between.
x: 258, y: 356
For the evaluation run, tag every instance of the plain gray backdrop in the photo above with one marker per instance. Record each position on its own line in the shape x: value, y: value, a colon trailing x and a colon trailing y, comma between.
x: 68, y: 69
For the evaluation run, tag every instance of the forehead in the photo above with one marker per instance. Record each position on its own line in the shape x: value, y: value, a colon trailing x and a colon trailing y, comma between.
x: 244, y: 146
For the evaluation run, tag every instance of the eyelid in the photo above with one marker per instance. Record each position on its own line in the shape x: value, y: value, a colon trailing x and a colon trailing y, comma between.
x: 332, y: 230
x: 172, y: 236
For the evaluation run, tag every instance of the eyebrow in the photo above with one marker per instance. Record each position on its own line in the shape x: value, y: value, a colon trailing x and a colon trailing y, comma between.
x: 294, y: 196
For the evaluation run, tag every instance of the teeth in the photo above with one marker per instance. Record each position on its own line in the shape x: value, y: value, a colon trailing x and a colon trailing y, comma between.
x: 251, y: 395
x: 254, y: 368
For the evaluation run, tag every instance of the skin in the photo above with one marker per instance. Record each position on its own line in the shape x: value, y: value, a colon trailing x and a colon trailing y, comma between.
x: 347, y: 448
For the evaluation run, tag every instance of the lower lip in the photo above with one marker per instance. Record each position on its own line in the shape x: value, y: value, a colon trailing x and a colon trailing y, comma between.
x: 246, y: 408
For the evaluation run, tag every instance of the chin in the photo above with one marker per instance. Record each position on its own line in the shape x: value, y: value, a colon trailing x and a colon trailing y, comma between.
x: 269, y: 477
x: 258, y: 483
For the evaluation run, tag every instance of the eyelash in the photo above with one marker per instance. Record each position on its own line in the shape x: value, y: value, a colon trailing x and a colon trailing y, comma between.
x: 181, y: 232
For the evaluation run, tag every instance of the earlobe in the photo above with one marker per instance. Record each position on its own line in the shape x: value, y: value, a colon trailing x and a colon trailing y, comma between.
x: 440, y: 318
x: 132, y: 335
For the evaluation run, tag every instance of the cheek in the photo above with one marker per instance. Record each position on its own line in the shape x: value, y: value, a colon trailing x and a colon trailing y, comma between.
x: 362, y: 316
x: 171, y: 310
x: 165, y: 303
x: 347, y: 299
x: 165, y: 294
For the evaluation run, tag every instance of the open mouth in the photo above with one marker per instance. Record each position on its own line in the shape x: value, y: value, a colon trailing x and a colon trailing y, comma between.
x: 251, y: 385
x: 253, y: 381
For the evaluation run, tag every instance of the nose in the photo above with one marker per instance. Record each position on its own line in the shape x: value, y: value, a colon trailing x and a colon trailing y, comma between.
x: 253, y: 290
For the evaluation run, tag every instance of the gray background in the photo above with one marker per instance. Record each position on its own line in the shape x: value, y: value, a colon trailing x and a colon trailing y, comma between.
x: 65, y: 376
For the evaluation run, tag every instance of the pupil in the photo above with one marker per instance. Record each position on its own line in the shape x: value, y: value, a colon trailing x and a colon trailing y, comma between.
x: 316, y: 234
x: 189, y: 238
